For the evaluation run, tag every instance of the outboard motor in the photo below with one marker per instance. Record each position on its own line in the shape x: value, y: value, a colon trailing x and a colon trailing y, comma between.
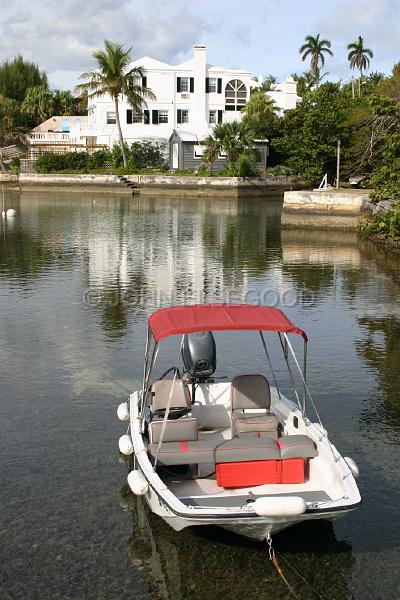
x: 199, y: 357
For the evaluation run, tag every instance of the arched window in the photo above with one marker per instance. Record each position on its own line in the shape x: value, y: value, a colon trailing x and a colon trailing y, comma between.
x: 78, y: 122
x: 65, y: 126
x: 235, y: 95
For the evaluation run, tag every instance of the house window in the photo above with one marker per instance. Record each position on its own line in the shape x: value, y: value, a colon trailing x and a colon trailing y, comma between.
x: 198, y: 151
x: 235, y: 95
x: 212, y: 84
x: 212, y: 116
x: 182, y: 115
x: 163, y: 116
x: 111, y: 118
x: 184, y: 84
x: 133, y: 117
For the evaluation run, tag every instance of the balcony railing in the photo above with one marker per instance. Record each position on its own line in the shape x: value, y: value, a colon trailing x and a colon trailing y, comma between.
x: 52, y: 137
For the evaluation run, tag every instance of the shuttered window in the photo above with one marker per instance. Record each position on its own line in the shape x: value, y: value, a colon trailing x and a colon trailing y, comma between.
x: 182, y: 116
x: 154, y: 117
x: 133, y: 117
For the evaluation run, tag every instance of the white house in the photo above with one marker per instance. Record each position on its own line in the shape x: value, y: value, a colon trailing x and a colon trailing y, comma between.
x: 285, y: 95
x: 190, y: 98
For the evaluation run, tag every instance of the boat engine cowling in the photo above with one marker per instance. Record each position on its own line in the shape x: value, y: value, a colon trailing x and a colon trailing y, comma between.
x: 199, y: 355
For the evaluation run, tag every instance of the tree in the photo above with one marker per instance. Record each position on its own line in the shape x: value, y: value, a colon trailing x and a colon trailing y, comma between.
x: 114, y: 77
x: 236, y: 140
x: 38, y: 103
x: 260, y: 115
x: 315, y: 48
x: 11, y: 123
x: 211, y: 152
x: 268, y: 83
x: 391, y: 87
x: 17, y: 76
x: 64, y: 103
x: 359, y: 58
x: 310, y: 133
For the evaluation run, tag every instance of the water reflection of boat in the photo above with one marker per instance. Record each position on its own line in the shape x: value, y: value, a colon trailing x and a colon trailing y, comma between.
x: 210, y: 562
x: 236, y: 454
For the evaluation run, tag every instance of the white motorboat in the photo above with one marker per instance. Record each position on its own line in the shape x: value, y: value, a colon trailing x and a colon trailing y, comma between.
x: 237, y: 454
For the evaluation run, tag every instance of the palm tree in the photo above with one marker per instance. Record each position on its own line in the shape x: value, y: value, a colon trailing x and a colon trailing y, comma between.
x: 268, y: 83
x: 359, y: 58
x: 64, y: 103
x: 234, y: 139
x: 315, y: 48
x: 38, y: 103
x: 114, y: 77
x: 212, y: 151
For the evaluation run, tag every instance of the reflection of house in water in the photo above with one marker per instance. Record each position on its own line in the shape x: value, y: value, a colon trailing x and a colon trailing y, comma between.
x: 157, y: 254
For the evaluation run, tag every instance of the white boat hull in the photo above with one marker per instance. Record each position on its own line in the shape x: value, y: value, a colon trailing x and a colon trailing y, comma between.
x: 257, y: 528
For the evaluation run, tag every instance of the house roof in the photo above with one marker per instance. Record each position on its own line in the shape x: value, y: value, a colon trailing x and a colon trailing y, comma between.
x: 56, y: 123
x: 191, y: 136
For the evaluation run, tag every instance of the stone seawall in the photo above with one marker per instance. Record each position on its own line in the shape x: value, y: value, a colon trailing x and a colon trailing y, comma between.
x: 168, y: 185
x: 333, y: 209
x: 102, y: 184
x: 212, y: 186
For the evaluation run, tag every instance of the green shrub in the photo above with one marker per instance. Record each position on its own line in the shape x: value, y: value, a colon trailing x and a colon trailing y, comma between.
x: 99, y: 159
x: 15, y: 165
x: 386, y: 182
x: 389, y: 223
x: 51, y: 162
x: 280, y: 171
x: 242, y: 167
x: 146, y: 154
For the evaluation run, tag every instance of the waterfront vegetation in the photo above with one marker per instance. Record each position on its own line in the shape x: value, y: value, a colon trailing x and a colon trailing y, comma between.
x: 363, y: 115
x: 139, y: 156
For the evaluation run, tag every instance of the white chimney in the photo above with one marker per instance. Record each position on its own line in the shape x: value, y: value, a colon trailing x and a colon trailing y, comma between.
x: 200, y: 72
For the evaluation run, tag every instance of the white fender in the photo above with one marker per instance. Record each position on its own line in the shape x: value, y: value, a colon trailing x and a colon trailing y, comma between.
x: 321, y: 428
x: 11, y: 212
x: 279, y: 506
x: 125, y: 444
x: 123, y: 412
x: 138, y: 483
x: 352, y: 466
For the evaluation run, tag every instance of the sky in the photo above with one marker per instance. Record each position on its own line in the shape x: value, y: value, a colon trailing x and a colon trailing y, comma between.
x: 260, y: 36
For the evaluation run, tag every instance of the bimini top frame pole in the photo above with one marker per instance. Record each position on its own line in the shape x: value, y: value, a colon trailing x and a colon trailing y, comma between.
x: 148, y: 367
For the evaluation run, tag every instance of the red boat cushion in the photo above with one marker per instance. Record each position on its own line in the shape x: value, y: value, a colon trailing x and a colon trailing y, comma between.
x: 243, y: 474
x: 292, y: 470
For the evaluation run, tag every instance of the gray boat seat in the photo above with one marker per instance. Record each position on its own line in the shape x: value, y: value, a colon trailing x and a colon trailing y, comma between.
x: 250, y: 393
x: 161, y: 391
x: 215, y: 451
x: 175, y: 430
x: 296, y: 446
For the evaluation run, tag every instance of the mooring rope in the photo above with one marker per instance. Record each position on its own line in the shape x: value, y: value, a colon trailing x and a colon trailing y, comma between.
x: 274, y: 561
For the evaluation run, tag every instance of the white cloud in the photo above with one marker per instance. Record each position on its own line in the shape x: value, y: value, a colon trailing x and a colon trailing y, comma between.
x: 377, y: 21
x: 62, y: 36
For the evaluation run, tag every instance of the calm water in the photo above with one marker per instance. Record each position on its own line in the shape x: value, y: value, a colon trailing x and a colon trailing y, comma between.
x: 78, y: 276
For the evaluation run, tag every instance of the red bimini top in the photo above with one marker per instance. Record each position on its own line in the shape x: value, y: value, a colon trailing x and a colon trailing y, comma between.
x: 219, y: 317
